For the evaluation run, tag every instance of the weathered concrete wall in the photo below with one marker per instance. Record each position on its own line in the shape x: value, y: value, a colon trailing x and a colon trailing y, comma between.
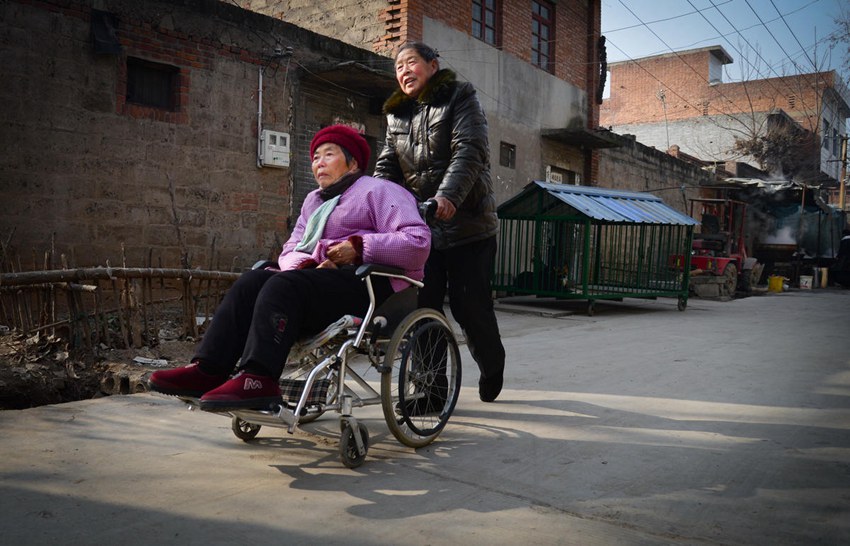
x: 85, y: 172
x: 710, y: 138
x: 518, y: 99
x: 354, y: 22
x: 636, y: 167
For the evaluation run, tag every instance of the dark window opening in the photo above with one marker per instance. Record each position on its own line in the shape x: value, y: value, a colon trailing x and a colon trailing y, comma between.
x: 557, y: 175
x: 486, y: 22
x: 542, y: 26
x: 152, y: 84
x: 507, y: 155
x: 825, y: 136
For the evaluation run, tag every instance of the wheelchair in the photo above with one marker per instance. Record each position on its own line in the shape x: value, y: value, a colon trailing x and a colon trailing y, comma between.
x: 414, y: 351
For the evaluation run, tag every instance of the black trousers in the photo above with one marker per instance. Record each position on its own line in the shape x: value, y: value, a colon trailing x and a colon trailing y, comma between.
x: 465, y: 272
x: 265, y: 312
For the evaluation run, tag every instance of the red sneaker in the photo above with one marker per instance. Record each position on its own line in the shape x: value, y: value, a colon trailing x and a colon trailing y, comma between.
x: 244, y: 391
x: 186, y: 381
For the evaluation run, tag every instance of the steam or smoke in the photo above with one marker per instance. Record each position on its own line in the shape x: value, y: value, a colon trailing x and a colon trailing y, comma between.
x: 783, y: 236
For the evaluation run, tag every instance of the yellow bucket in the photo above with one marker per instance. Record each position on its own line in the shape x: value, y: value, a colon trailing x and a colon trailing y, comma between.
x: 774, y: 283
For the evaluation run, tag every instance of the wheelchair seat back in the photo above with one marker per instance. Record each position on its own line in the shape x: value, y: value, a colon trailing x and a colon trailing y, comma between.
x: 395, y: 308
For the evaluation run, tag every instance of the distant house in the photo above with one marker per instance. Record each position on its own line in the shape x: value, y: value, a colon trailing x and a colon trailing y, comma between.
x: 679, y: 99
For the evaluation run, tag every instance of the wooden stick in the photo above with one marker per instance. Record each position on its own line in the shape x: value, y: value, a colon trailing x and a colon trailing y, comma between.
x: 108, y: 273
x: 120, y: 315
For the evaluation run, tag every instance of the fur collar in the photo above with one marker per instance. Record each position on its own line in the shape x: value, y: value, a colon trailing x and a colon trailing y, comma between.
x: 438, y: 89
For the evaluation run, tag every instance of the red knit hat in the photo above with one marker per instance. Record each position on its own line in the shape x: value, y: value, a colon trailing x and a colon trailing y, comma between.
x: 347, y: 138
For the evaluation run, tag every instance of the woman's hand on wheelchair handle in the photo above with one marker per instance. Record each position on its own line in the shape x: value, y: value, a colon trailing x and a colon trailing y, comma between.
x: 445, y: 208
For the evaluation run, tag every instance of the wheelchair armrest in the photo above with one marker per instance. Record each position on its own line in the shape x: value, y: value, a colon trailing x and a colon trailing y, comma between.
x: 367, y: 269
x: 262, y: 264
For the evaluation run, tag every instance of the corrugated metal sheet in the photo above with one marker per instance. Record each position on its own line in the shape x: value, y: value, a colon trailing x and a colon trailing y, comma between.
x: 617, y: 206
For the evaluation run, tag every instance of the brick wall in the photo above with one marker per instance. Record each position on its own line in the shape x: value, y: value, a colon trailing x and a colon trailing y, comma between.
x: 320, y: 106
x: 92, y: 176
x: 352, y: 21
x: 636, y: 88
x: 383, y: 25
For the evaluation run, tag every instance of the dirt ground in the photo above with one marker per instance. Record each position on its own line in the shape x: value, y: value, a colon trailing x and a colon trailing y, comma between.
x: 39, y: 370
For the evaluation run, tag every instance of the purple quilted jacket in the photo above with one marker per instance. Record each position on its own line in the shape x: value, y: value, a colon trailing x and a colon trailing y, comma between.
x: 382, y: 213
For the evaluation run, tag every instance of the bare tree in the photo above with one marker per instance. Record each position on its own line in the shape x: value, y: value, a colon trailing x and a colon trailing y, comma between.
x: 782, y: 133
x: 842, y: 36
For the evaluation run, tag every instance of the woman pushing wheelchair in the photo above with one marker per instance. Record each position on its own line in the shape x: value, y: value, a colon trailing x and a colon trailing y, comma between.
x: 348, y: 220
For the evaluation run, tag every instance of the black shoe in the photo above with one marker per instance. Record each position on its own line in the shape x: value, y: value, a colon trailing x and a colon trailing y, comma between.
x: 489, y: 389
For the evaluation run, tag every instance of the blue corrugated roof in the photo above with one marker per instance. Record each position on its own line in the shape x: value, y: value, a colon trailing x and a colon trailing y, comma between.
x: 617, y: 206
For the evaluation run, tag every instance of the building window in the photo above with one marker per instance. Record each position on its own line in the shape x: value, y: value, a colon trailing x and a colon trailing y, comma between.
x: 486, y: 22
x: 507, y: 155
x: 557, y: 175
x: 542, y: 34
x: 152, y: 84
x: 825, y: 136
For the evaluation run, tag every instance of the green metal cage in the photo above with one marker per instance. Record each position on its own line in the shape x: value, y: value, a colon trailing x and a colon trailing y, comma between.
x: 579, y: 242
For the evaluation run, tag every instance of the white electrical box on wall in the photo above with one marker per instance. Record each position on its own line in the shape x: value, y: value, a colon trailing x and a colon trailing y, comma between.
x: 274, y: 149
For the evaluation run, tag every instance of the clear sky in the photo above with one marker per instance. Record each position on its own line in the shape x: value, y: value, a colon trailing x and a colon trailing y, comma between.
x: 765, y: 38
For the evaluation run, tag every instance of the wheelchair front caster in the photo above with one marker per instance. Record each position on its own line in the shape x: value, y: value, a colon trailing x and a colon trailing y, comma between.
x: 349, y: 452
x: 244, y: 430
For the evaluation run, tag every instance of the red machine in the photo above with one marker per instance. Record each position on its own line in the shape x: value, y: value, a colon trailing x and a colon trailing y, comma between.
x: 719, y: 248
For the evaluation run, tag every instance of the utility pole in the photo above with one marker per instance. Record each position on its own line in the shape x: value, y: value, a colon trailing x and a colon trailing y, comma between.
x: 662, y: 97
x: 841, y: 183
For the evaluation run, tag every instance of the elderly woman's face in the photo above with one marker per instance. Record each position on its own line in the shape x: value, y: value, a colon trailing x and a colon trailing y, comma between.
x: 329, y: 164
x: 412, y: 72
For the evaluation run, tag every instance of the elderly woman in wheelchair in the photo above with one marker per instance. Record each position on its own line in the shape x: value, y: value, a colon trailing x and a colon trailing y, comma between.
x: 282, y: 324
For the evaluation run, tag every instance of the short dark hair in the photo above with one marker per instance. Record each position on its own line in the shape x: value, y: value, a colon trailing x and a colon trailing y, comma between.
x: 424, y: 50
x: 348, y: 156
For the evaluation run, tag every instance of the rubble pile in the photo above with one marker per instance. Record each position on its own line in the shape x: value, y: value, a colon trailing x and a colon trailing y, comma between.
x: 39, y: 369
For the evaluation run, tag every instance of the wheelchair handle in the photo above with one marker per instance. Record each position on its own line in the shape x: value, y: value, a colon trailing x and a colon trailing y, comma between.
x: 427, y: 209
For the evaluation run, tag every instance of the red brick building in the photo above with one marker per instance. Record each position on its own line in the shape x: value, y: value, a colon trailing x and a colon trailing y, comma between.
x: 679, y: 99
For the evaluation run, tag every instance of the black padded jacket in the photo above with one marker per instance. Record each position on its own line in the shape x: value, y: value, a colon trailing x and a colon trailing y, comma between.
x: 437, y: 144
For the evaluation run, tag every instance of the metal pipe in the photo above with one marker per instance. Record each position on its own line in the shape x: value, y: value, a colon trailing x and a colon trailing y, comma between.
x: 260, y: 117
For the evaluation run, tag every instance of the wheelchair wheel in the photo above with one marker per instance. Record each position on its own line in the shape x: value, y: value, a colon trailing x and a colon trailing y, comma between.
x: 348, y: 452
x: 244, y: 430
x: 421, y: 387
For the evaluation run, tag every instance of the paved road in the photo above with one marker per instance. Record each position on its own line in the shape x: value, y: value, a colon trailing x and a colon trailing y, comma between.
x: 726, y: 424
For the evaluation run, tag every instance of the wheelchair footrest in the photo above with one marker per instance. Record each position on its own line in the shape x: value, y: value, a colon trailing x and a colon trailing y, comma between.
x: 292, y: 389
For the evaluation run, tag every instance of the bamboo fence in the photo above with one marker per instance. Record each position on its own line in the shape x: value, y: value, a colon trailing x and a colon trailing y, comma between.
x: 115, y: 307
